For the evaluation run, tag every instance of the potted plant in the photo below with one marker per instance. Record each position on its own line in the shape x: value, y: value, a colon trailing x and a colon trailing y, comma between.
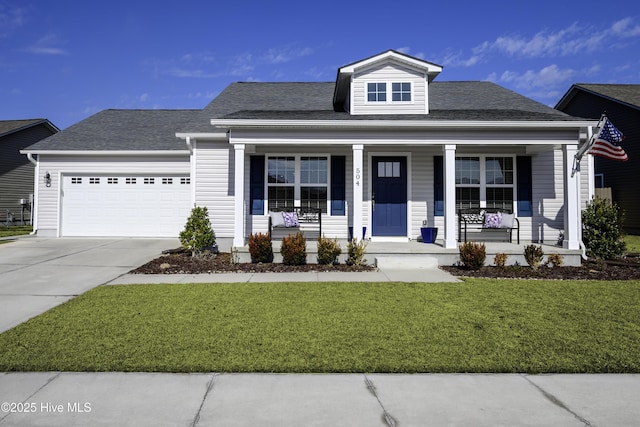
x: 429, y: 234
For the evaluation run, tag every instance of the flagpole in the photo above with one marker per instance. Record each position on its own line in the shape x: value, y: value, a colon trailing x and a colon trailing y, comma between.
x: 587, y: 145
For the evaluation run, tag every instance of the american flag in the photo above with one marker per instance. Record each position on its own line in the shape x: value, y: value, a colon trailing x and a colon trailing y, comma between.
x: 606, y: 143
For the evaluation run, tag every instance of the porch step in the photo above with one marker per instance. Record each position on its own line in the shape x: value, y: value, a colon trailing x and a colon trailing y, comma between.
x: 406, y: 262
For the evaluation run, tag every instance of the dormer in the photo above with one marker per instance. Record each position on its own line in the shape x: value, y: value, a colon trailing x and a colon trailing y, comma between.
x: 387, y: 83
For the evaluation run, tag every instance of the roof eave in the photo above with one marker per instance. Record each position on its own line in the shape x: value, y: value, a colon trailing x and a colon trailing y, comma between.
x: 106, y: 152
x: 402, y: 124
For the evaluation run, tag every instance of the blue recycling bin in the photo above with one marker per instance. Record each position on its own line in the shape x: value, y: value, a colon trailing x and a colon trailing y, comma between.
x: 429, y: 234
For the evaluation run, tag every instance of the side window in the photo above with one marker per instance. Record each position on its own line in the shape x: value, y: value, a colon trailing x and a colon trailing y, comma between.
x: 376, y: 92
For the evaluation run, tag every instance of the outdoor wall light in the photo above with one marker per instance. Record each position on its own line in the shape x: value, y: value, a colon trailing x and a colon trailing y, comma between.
x: 47, y: 179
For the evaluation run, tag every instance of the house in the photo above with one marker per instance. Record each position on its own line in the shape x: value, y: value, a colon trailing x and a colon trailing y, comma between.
x: 16, y: 172
x: 621, y: 103
x: 383, y: 149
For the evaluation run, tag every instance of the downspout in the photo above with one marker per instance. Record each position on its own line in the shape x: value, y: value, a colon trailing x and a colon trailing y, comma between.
x: 580, y: 242
x: 34, y: 204
x: 189, y: 145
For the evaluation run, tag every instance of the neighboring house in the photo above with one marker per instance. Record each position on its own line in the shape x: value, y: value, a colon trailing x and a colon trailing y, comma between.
x: 621, y: 103
x: 16, y: 172
x: 383, y: 147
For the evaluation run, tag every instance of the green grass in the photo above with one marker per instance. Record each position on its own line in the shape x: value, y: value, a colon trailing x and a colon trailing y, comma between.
x: 15, y: 230
x: 475, y: 326
x: 633, y: 243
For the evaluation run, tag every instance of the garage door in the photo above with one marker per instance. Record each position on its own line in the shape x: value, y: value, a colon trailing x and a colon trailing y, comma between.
x: 124, y: 206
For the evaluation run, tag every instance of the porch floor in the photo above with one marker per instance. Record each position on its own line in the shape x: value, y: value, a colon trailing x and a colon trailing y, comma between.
x: 415, y: 254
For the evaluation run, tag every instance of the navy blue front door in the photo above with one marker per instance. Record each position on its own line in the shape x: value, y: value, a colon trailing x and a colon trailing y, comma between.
x: 389, y: 196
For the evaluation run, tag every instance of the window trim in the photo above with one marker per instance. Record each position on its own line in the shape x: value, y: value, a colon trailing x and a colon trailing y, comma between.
x: 483, y: 178
x: 297, y: 184
x: 389, y: 92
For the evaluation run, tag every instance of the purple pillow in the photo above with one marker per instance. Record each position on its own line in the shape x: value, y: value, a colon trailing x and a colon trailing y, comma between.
x: 290, y: 219
x: 493, y: 220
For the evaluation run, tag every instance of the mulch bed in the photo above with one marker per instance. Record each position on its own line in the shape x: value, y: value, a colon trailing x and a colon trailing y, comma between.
x: 183, y: 263
x: 627, y: 268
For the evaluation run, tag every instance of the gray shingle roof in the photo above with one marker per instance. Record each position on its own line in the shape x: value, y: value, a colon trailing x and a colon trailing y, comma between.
x: 628, y: 93
x: 122, y: 130
x: 11, y: 126
x: 156, y: 129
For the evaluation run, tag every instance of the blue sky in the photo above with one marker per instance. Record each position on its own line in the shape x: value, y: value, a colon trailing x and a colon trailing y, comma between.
x: 66, y: 60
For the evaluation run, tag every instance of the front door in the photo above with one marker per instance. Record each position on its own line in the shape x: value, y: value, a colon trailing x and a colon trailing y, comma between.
x: 389, y: 196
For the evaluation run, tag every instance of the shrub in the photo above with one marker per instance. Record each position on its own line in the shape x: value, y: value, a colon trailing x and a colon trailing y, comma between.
x: 198, y: 236
x: 260, y: 247
x: 533, y: 254
x: 500, y: 260
x: 328, y: 251
x: 356, y: 251
x: 294, y: 249
x: 555, y: 260
x: 602, y: 229
x: 473, y: 255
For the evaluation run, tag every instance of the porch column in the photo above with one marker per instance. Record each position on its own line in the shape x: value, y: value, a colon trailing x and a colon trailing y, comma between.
x: 450, y: 196
x: 571, y: 200
x: 356, y: 207
x: 238, y: 220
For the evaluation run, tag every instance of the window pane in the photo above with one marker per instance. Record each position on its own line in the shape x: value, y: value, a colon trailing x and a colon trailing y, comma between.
x: 467, y: 197
x: 313, y: 170
x: 500, y: 197
x: 280, y: 197
x: 499, y: 170
x: 314, y: 197
x: 281, y: 170
x: 467, y: 170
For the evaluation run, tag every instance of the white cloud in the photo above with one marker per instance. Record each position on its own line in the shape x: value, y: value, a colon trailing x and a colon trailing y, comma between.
x: 550, y: 76
x: 47, y: 45
x: 144, y: 97
x: 284, y: 54
x: 626, y: 28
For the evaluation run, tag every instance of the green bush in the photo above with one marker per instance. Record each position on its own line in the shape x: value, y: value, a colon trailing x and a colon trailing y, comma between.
x: 602, y: 229
x: 533, y: 254
x: 356, y: 251
x: 473, y: 255
x: 294, y: 249
x: 328, y: 250
x: 260, y: 247
x: 198, y: 236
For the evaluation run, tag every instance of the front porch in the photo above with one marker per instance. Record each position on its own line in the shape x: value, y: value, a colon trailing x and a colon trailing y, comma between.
x: 415, y: 254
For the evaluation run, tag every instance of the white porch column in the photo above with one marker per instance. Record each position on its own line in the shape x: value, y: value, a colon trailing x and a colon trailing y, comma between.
x: 450, y: 196
x: 238, y: 220
x: 356, y: 207
x: 571, y: 201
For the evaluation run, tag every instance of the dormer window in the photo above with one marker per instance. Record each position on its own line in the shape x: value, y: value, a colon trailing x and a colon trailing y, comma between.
x: 401, y: 92
x: 376, y: 92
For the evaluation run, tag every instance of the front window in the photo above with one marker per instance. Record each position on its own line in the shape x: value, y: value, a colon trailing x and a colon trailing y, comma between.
x: 298, y: 181
x: 377, y: 92
x: 485, y: 181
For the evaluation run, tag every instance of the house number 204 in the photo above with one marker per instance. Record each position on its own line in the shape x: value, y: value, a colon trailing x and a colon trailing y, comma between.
x: 357, y: 176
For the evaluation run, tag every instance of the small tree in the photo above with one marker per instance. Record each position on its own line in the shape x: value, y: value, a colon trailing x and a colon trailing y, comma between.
x: 356, y: 251
x: 294, y: 249
x: 328, y: 250
x: 198, y: 235
x: 260, y: 247
x: 533, y: 254
x: 602, y: 229
x: 473, y: 255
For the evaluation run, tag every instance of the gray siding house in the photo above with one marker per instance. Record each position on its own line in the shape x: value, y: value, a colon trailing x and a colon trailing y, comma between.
x: 384, y: 148
x: 621, y: 103
x: 16, y: 172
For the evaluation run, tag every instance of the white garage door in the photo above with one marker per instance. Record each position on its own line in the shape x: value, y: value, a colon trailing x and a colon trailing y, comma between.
x: 124, y: 206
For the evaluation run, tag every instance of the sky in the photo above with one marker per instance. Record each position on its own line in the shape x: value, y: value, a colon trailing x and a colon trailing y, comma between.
x: 66, y: 60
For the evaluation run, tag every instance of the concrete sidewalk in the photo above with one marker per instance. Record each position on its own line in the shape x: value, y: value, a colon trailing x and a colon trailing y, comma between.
x: 150, y: 399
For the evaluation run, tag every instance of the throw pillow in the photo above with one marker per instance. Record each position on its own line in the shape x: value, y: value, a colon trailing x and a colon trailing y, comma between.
x: 277, y: 219
x: 290, y: 219
x: 507, y: 220
x: 493, y: 220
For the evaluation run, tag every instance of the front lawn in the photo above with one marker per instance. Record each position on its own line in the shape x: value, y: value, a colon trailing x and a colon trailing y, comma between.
x: 633, y: 243
x: 475, y: 326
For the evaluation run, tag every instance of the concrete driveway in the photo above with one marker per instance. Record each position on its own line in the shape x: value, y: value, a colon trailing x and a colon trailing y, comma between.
x: 37, y: 274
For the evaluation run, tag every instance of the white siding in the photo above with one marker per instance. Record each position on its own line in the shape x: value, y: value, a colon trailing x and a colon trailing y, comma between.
x: 49, y: 197
x: 548, y: 199
x: 214, y: 163
x: 389, y: 72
